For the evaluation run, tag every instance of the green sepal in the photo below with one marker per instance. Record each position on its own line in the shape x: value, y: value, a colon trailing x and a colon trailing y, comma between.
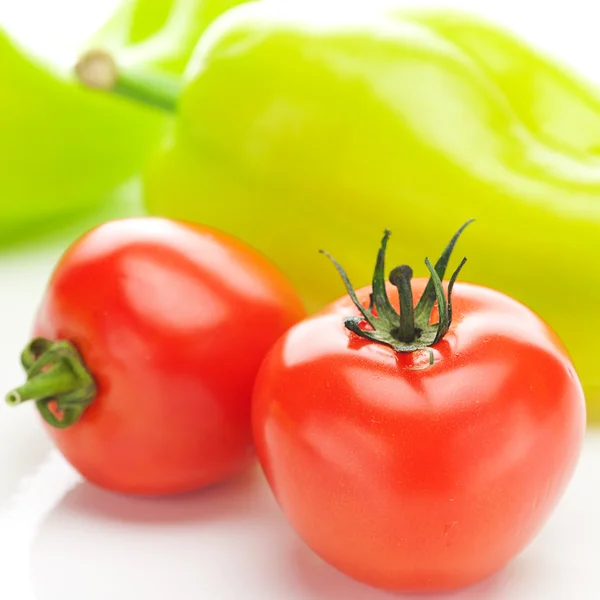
x: 55, y: 373
x: 428, y: 298
x: 408, y: 329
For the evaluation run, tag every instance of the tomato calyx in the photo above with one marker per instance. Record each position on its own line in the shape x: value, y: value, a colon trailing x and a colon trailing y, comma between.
x: 56, y: 377
x: 410, y: 329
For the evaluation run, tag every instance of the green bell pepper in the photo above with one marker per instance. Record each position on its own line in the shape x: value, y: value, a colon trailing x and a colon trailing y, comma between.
x: 62, y: 148
x: 299, y: 130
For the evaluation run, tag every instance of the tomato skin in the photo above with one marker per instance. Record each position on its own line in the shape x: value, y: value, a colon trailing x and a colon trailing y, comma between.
x: 172, y: 319
x: 413, y: 477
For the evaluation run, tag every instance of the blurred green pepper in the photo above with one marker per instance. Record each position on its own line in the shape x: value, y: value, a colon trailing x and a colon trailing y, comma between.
x: 300, y: 129
x: 62, y: 148
x: 159, y: 33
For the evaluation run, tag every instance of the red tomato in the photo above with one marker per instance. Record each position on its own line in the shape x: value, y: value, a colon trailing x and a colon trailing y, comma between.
x: 410, y: 476
x: 172, y: 320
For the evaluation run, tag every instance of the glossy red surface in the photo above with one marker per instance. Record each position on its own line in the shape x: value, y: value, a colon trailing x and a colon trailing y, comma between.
x: 416, y: 477
x: 172, y: 320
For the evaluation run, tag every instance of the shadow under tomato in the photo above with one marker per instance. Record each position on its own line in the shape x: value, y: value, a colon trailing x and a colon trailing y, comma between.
x: 237, y: 496
x: 228, y: 542
x: 97, y: 545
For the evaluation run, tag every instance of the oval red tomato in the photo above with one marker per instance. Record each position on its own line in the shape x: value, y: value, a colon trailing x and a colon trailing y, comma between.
x: 411, y: 476
x: 172, y: 320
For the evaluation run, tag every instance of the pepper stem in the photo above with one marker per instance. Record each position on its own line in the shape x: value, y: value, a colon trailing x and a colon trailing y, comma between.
x: 98, y: 70
x: 410, y: 328
x: 55, y: 373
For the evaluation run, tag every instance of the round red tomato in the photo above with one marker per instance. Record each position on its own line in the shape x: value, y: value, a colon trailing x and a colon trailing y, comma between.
x: 408, y: 475
x: 172, y: 321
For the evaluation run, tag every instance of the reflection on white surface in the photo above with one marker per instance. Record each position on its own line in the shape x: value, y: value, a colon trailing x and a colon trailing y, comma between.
x: 63, y: 539
x: 35, y: 496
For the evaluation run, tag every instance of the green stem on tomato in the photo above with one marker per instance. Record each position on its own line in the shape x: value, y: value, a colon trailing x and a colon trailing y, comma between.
x: 98, y: 70
x: 400, y: 277
x: 410, y: 329
x: 56, y: 380
x: 55, y: 373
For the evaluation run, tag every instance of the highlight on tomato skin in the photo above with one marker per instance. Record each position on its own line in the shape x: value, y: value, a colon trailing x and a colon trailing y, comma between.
x: 145, y: 350
x: 427, y: 469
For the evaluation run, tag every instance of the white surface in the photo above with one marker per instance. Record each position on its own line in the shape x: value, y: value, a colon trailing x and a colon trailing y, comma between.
x: 62, y: 539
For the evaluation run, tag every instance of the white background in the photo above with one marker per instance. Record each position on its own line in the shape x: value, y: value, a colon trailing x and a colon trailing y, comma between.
x: 61, y: 539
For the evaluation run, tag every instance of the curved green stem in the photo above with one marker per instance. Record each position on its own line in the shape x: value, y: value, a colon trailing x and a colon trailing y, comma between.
x: 97, y: 69
x: 55, y: 373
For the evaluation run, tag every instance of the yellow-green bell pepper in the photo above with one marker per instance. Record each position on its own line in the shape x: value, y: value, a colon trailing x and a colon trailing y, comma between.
x: 62, y: 148
x: 300, y: 129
